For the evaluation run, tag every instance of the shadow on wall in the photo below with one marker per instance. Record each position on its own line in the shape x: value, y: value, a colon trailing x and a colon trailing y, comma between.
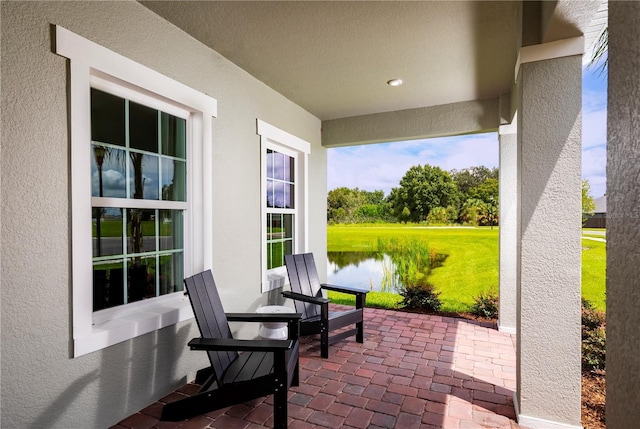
x: 51, y: 415
x: 132, y: 375
x: 141, y: 371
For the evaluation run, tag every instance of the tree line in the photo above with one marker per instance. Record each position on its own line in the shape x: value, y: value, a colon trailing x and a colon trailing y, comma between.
x: 425, y: 194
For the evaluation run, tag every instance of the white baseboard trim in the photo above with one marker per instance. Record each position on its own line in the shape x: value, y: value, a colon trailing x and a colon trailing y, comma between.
x: 537, y: 423
x: 506, y: 329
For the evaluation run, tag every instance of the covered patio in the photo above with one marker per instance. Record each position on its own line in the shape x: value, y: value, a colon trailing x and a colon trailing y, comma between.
x: 302, y: 78
x: 413, y: 371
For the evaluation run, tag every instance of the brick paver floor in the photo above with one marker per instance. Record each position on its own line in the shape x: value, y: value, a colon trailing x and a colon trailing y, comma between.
x: 413, y: 371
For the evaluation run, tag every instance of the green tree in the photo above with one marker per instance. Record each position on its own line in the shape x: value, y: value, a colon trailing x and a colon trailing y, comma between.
x: 421, y: 189
x: 588, y: 203
x: 486, y: 191
x: 601, y: 48
x: 342, y: 204
x: 375, y: 207
x: 472, y: 177
x: 438, y: 215
x: 368, y: 211
x: 405, y: 215
x: 472, y: 211
x: 373, y: 197
x: 490, y: 215
x: 346, y: 205
x: 452, y: 214
x: 477, y: 184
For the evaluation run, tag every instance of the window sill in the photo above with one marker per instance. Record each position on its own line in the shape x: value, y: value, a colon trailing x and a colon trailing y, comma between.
x: 107, y: 333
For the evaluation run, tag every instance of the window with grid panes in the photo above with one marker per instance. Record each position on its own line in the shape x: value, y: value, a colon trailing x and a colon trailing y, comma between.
x: 280, y: 200
x: 139, y: 193
x: 284, y: 181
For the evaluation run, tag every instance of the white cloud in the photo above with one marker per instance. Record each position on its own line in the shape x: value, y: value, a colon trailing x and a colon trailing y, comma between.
x: 594, y: 135
x: 594, y: 169
x: 381, y: 166
x: 113, y: 183
x: 594, y: 128
x: 594, y: 99
x: 369, y: 167
x: 470, y: 151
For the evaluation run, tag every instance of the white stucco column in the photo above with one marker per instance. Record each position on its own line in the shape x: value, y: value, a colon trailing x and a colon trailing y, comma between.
x: 549, y: 83
x: 507, y: 136
x: 623, y: 216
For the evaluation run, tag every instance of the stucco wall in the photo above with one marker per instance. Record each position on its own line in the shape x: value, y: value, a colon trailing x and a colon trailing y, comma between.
x: 623, y: 214
x: 425, y: 122
x: 42, y: 386
x: 549, y: 264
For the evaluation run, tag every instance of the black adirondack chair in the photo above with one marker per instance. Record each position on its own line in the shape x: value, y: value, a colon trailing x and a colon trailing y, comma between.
x: 306, y: 291
x: 262, y: 368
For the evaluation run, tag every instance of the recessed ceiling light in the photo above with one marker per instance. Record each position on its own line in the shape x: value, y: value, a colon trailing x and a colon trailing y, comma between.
x: 395, y: 82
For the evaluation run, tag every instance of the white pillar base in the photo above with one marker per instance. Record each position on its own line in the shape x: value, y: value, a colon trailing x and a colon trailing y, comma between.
x: 507, y: 329
x: 537, y: 423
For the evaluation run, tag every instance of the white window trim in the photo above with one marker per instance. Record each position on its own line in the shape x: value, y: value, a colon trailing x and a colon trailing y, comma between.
x: 91, y: 62
x: 274, y: 138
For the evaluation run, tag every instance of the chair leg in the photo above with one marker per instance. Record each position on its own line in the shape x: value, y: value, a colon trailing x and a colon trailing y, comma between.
x: 295, y: 381
x: 361, y: 300
x: 324, y: 333
x: 280, y: 408
x: 324, y: 343
x: 360, y: 332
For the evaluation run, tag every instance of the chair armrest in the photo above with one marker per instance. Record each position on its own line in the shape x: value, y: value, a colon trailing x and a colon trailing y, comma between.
x: 262, y: 317
x: 343, y: 289
x: 230, y: 344
x: 305, y: 298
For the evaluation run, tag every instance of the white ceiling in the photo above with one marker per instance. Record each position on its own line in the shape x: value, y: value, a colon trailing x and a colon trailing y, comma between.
x: 334, y: 58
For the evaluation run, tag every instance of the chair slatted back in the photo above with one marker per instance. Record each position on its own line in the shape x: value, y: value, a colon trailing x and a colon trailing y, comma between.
x: 303, y: 278
x: 210, y: 317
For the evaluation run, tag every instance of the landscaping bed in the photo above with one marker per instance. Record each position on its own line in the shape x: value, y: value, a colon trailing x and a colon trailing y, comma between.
x: 593, y: 400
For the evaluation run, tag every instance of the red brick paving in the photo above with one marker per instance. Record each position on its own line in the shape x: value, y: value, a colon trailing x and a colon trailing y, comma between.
x: 413, y: 371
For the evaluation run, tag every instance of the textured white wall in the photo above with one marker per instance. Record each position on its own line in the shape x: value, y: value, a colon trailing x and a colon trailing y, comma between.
x: 623, y: 216
x: 548, y: 326
x: 42, y: 386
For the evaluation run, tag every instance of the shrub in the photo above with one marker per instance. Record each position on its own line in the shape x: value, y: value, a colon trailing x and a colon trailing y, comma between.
x: 486, y: 304
x: 438, y: 215
x: 593, y: 337
x: 420, y: 297
x: 413, y: 260
x: 593, y: 349
x: 591, y: 318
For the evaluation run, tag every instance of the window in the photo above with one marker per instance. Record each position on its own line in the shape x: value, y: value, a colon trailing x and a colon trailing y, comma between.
x: 140, y: 194
x: 281, y: 213
x: 284, y: 211
x: 138, y: 188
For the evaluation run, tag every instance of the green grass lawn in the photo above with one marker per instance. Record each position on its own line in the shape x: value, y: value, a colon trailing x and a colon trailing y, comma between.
x: 594, y: 263
x: 471, y: 266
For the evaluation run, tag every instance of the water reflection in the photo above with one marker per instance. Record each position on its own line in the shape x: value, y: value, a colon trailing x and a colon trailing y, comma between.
x: 368, y: 270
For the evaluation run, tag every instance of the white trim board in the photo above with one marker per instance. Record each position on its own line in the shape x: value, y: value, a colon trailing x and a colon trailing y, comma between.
x: 91, y: 65
x: 548, y: 51
x: 73, y: 46
x: 538, y: 423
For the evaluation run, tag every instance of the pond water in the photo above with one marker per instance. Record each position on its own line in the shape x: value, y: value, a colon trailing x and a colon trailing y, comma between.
x: 367, y: 270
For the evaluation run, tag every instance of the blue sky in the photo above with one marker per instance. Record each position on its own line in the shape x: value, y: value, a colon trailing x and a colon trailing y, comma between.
x: 381, y: 166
